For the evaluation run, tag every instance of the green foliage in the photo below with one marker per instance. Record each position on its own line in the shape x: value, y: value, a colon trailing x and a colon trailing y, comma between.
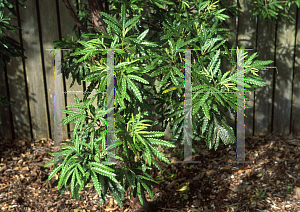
x: 200, y: 30
x: 259, y: 194
x: 8, y: 46
x: 273, y: 9
x: 84, y: 160
x: 288, y: 189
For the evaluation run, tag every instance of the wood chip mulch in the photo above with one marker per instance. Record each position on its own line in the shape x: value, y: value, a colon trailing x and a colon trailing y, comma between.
x: 270, y: 184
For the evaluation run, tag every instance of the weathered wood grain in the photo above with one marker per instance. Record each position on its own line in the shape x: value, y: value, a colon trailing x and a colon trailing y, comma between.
x: 34, y: 70
x: 6, y: 126
x: 50, y: 34
x: 295, y: 127
x: 17, y: 90
x: 263, y: 95
x: 285, y: 44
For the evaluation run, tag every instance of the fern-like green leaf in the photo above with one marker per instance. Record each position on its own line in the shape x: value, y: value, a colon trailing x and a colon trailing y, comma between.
x: 102, y: 166
x: 102, y: 171
x: 72, y: 187
x: 135, y: 89
x: 150, y: 192
x: 139, y: 192
x: 112, y: 19
x: 161, y: 143
x: 54, y: 172
x: 68, y: 173
x: 130, y: 23
x: 137, y: 78
x: 97, y: 184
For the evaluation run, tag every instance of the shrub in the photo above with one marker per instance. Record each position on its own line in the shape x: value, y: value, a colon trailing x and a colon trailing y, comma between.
x: 82, y: 155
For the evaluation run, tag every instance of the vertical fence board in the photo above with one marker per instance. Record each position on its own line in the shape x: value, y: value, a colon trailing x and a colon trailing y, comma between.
x: 5, y: 127
x: 17, y: 91
x: 263, y: 95
x: 226, y: 65
x: 295, y: 128
x: 67, y: 25
x: 48, y: 15
x: 283, y: 80
x: 246, y: 36
x: 34, y: 71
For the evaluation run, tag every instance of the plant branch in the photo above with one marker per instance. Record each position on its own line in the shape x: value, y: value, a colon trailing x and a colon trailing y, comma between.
x: 96, y: 15
x: 100, y: 5
x: 72, y: 13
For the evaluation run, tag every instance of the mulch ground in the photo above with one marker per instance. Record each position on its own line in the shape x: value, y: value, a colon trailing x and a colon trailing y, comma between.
x: 270, y: 184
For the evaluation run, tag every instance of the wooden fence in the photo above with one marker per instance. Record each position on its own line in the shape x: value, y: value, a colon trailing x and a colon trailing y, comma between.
x: 30, y: 82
